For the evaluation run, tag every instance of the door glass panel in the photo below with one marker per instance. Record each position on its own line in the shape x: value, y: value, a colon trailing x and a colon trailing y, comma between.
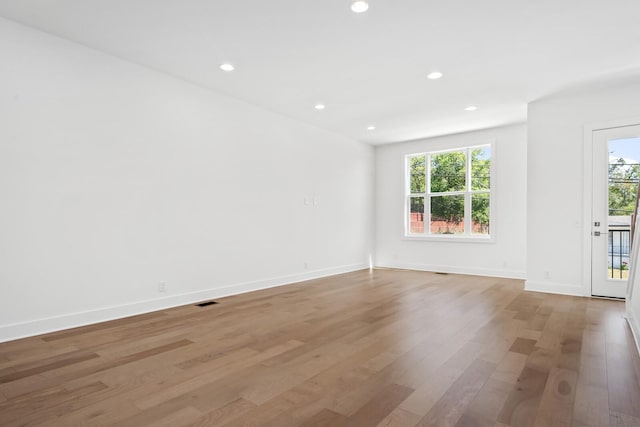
x: 624, y: 175
x: 615, y: 174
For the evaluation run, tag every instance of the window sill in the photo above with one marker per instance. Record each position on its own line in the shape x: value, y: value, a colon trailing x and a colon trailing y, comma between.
x: 451, y: 239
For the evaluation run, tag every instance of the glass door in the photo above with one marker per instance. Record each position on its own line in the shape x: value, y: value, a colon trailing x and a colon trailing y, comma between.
x: 616, y: 173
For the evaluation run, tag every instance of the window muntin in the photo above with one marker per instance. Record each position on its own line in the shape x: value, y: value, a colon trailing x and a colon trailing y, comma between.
x: 449, y: 193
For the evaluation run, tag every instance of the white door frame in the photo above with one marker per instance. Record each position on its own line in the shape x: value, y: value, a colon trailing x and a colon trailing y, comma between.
x: 587, y: 185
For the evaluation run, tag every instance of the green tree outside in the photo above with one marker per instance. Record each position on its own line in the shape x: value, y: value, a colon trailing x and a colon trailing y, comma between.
x: 623, y: 187
x: 417, y: 182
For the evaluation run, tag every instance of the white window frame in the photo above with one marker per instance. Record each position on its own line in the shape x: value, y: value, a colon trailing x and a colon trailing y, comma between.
x: 467, y: 192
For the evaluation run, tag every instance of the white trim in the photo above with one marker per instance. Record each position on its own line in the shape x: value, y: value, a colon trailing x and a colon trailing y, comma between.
x: 467, y: 192
x: 556, y: 288
x: 635, y: 327
x: 457, y: 269
x: 631, y: 284
x: 587, y: 214
x: 452, y: 238
x: 73, y: 320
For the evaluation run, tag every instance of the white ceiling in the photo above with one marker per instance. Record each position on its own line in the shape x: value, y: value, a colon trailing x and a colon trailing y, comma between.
x: 369, y: 69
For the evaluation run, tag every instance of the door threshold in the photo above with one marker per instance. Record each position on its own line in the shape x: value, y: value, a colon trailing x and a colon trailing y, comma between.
x: 609, y: 298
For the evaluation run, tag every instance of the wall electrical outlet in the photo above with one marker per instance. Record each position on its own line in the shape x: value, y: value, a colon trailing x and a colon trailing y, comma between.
x: 162, y: 287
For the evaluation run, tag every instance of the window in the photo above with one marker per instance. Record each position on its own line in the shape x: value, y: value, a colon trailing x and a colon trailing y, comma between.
x: 449, y: 193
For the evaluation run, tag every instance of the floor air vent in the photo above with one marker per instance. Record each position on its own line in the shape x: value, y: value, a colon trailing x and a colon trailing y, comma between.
x: 205, y: 304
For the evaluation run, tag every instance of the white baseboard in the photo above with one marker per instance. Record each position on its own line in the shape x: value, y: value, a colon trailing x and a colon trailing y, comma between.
x: 555, y: 288
x: 457, y: 269
x: 73, y: 320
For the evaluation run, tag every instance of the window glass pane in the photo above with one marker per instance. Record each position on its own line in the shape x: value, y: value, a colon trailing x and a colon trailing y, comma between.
x: 480, y: 213
x: 416, y: 216
x: 481, y: 168
x: 448, y: 171
x: 451, y: 191
x: 447, y: 215
x: 417, y: 174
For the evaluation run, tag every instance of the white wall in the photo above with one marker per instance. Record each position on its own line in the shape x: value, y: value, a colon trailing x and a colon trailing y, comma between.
x: 504, y: 257
x: 556, y: 206
x: 114, y: 178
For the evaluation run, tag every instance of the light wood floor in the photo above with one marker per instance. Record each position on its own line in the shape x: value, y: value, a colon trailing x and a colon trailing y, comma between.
x: 381, y: 348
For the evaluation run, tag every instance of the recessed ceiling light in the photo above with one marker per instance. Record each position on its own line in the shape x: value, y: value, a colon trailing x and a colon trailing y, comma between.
x: 319, y: 107
x: 359, y: 6
x: 227, y: 67
x: 471, y: 108
x: 435, y: 75
x: 371, y: 128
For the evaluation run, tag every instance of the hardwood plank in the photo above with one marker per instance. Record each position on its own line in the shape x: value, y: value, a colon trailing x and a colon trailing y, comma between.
x: 380, y: 406
x: 15, y: 373
x: 618, y: 419
x: 45, y: 404
x: 179, y: 418
x: 364, y: 387
x: 520, y: 408
x: 523, y: 346
x: 400, y: 418
x: 290, y: 408
x: 23, y: 408
x: 101, y: 327
x: 510, y: 367
x: 326, y: 418
x: 556, y: 406
x: 591, y: 405
x: 187, y: 382
x: 35, y: 359
x: 486, y: 406
x: 424, y: 398
x: 386, y: 347
x: 224, y: 413
x: 453, y: 403
x: 623, y: 386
